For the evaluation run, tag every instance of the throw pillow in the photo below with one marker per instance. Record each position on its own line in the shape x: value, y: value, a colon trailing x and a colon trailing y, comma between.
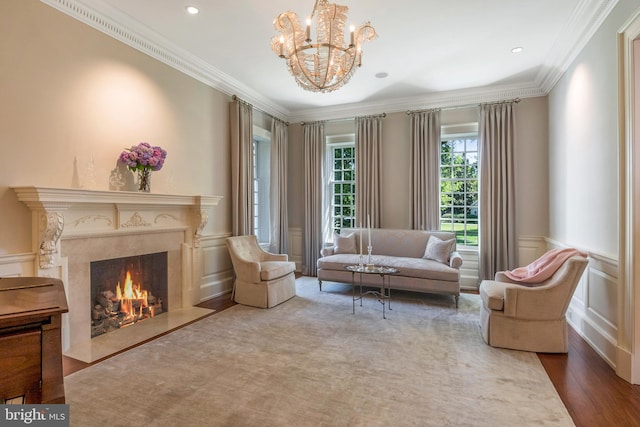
x: 344, y: 244
x: 438, y: 249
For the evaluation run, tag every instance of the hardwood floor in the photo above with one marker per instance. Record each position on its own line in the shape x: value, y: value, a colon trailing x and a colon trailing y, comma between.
x: 593, y: 394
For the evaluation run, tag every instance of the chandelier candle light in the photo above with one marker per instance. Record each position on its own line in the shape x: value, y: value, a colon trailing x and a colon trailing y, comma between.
x: 329, y: 63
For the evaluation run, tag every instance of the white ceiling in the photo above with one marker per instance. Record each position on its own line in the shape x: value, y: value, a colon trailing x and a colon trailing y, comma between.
x: 435, y: 53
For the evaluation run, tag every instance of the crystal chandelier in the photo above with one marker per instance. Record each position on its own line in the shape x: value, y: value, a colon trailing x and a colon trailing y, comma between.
x: 329, y: 63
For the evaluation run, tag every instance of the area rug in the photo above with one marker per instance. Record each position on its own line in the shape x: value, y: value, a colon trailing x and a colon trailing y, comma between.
x: 311, y: 362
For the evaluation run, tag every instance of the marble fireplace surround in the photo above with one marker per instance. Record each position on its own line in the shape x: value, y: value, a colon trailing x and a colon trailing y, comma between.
x: 73, y: 227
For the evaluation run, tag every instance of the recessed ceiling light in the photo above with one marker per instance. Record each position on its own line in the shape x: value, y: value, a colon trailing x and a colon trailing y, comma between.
x: 382, y: 75
x: 517, y: 49
x: 192, y: 10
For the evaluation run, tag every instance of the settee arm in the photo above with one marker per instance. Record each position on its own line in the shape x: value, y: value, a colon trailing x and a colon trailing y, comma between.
x: 455, y: 260
x: 326, y: 251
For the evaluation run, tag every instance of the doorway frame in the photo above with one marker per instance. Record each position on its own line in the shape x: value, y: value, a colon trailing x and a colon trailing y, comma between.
x: 628, y: 363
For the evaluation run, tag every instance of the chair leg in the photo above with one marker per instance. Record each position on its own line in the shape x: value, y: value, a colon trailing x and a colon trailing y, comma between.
x: 320, y: 284
x: 457, y: 297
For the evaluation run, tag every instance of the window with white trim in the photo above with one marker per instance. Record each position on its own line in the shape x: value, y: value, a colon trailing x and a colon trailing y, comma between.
x: 459, y: 176
x: 341, y: 156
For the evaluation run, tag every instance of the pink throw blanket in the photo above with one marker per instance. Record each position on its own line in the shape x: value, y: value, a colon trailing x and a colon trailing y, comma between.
x: 544, y: 267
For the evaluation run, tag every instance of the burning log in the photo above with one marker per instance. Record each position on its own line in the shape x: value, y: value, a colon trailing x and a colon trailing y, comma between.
x: 106, y: 303
x: 128, y: 305
x: 98, y: 312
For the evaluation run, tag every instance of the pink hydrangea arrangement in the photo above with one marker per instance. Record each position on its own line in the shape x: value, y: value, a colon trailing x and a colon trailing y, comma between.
x: 143, y: 157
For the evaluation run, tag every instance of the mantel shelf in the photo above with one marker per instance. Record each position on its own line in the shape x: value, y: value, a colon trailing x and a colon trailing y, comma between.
x: 61, y: 198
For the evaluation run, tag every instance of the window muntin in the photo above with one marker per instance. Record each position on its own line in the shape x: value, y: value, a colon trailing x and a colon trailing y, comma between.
x: 342, y: 185
x: 459, y: 188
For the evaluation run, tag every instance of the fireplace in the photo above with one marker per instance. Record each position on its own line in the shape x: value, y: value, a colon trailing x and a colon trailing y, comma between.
x: 75, y: 228
x: 128, y: 290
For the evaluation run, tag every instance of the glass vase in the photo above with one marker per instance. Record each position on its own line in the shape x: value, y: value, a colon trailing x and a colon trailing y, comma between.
x: 144, y: 180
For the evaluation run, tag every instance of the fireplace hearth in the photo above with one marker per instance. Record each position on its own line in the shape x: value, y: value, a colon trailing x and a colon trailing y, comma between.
x: 125, y: 291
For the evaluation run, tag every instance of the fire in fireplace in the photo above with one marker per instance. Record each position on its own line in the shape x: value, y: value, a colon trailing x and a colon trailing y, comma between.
x: 125, y: 291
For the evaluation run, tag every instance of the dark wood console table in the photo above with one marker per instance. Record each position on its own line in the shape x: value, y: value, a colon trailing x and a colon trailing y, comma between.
x: 30, y: 339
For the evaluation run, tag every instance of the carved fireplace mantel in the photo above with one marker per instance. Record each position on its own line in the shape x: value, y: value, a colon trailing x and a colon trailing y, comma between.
x: 72, y: 213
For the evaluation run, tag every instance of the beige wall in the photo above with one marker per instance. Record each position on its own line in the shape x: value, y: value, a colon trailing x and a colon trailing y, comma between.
x: 72, y: 96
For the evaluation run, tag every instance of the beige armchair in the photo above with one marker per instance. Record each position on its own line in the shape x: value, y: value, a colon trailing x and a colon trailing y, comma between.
x: 262, y: 279
x: 530, y: 318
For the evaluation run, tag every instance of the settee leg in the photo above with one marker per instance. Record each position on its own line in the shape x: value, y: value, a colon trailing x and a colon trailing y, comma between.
x: 320, y: 284
x: 457, y: 300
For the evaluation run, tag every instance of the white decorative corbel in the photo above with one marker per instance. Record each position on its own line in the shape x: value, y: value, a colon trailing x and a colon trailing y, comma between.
x: 202, y: 218
x: 51, y: 225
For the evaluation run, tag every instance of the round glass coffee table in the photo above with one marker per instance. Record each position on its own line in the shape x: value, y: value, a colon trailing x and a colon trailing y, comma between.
x: 384, y: 294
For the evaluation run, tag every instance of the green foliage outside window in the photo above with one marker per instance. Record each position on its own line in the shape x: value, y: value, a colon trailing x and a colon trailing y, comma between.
x: 344, y: 187
x: 459, y: 189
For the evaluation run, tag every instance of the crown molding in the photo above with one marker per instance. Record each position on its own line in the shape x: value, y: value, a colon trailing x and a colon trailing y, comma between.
x: 585, y: 21
x: 448, y: 99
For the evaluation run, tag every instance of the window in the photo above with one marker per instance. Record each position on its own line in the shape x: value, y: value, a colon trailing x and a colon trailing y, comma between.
x: 261, y: 177
x: 342, y: 158
x: 459, y: 189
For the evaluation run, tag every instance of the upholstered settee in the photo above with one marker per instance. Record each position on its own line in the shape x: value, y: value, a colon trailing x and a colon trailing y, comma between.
x: 427, y: 261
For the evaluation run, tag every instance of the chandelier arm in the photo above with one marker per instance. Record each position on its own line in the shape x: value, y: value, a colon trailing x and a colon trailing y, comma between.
x: 346, y: 76
x: 303, y: 68
x: 315, y: 8
x: 331, y: 47
x: 292, y: 25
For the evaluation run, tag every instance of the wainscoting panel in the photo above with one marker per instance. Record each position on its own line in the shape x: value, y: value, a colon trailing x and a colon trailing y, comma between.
x: 602, y: 301
x: 594, y: 309
x: 469, y: 275
x: 530, y: 248
x: 216, y: 273
x: 295, y: 247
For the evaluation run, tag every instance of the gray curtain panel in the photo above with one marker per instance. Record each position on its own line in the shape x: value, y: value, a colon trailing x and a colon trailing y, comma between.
x: 424, y: 184
x: 241, y: 130
x: 314, y: 142
x: 368, y: 169
x: 278, y: 187
x: 498, y: 250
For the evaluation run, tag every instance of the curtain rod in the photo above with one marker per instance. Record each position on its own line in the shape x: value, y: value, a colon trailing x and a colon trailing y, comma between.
x: 457, y: 107
x: 383, y: 115
x: 235, y: 98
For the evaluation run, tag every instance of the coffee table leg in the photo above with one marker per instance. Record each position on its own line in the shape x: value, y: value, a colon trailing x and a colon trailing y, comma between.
x: 389, y: 290
x: 385, y: 293
x: 353, y: 292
